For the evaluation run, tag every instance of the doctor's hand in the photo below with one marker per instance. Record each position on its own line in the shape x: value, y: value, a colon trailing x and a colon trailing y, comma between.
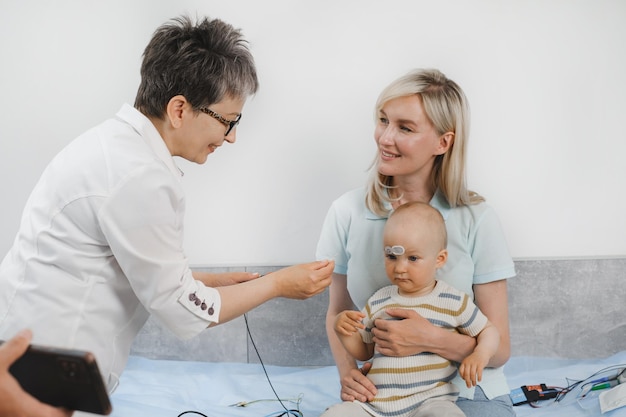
x: 14, y: 401
x: 297, y: 282
x: 304, y: 280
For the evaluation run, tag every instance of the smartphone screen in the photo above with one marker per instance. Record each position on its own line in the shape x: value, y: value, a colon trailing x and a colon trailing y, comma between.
x: 62, y: 378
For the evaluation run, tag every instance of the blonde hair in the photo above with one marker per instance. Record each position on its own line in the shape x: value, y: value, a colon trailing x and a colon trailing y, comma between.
x: 447, y: 108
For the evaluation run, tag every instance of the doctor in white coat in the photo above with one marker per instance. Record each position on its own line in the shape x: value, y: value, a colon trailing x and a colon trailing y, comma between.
x: 100, y: 245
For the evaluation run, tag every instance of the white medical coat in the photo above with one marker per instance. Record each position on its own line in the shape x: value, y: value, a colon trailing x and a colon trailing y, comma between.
x: 100, y: 248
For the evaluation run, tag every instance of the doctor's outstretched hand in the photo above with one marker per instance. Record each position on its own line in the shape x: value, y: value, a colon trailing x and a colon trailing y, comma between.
x: 14, y: 401
x: 304, y: 280
x: 297, y: 282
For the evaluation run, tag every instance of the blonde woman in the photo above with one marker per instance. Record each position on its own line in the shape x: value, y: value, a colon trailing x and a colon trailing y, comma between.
x: 422, y: 127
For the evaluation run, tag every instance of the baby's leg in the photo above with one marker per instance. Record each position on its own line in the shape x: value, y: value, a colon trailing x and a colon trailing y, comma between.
x: 346, y: 409
x: 438, y: 408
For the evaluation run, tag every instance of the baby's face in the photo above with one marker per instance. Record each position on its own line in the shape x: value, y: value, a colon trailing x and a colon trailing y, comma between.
x: 411, y: 260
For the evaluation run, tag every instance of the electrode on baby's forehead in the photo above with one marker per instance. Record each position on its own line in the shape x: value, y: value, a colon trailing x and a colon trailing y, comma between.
x: 394, y: 250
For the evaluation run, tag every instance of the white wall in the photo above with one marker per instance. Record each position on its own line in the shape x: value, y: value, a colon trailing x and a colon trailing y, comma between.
x: 545, y: 79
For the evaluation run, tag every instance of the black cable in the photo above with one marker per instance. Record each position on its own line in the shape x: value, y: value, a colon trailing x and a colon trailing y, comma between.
x: 561, y: 392
x: 583, y: 382
x: 287, y: 411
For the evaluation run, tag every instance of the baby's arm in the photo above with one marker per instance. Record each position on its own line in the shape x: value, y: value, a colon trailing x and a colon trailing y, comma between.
x: 347, y: 325
x: 487, y: 342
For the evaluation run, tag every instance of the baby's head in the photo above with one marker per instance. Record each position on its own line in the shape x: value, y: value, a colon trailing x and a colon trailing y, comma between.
x: 415, y: 242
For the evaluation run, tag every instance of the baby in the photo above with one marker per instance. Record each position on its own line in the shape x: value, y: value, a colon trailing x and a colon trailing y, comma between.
x: 419, y: 385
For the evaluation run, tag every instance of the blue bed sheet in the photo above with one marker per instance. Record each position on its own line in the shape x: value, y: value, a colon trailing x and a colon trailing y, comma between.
x: 161, y: 388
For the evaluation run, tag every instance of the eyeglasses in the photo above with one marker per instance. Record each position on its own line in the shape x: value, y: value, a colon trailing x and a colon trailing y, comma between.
x: 230, y: 124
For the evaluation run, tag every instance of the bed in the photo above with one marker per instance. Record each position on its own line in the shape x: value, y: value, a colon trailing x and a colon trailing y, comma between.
x: 168, y: 388
x: 564, y: 325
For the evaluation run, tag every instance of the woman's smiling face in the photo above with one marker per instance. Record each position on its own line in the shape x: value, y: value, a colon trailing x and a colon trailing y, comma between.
x: 407, y: 140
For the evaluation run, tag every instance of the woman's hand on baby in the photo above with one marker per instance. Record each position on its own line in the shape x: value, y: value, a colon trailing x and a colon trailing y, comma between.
x: 355, y: 385
x: 404, y: 336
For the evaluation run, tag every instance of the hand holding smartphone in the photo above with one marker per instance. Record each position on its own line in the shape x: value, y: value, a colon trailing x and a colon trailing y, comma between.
x: 62, y: 378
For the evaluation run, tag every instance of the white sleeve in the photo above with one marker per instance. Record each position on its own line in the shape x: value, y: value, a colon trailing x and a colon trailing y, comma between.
x: 143, y: 222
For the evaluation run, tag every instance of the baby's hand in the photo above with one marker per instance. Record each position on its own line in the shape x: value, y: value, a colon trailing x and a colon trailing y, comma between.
x: 471, y: 369
x: 348, y: 322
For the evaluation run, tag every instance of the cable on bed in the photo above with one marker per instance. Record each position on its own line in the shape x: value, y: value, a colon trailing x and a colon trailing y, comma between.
x: 587, y: 385
x: 287, y: 411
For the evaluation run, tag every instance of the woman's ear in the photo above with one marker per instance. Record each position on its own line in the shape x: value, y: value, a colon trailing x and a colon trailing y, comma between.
x: 174, y: 110
x: 445, y: 142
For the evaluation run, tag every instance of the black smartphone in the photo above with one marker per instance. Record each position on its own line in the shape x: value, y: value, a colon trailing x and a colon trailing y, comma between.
x: 62, y: 378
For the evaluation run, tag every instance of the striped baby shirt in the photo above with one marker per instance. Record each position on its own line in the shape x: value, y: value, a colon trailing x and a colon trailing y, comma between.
x: 403, y: 383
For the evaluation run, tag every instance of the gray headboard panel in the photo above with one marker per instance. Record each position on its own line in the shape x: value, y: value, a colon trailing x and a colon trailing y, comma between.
x: 557, y: 308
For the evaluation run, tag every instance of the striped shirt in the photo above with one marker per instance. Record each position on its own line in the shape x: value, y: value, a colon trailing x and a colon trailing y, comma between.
x: 403, y: 383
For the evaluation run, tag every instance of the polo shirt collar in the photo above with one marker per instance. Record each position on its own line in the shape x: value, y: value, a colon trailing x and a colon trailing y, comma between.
x: 438, y: 201
x: 144, y: 127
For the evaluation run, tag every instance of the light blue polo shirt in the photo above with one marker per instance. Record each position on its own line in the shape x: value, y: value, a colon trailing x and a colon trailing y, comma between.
x: 477, y: 252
